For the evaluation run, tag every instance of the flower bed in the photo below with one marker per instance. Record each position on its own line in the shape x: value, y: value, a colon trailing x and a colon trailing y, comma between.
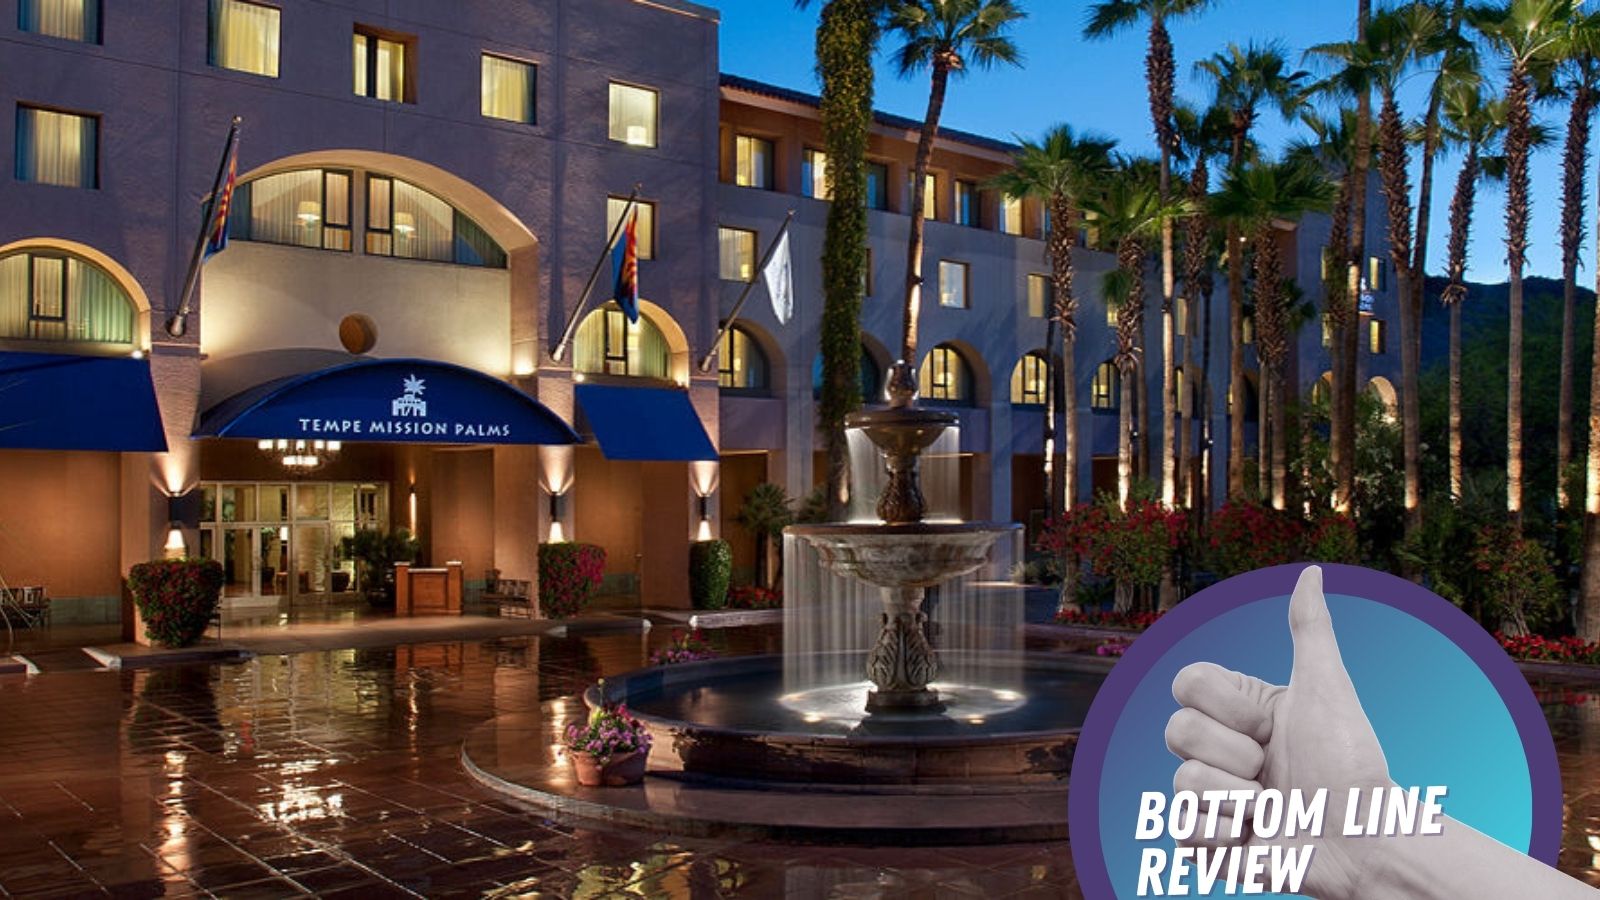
x: 1569, y: 649
x: 1131, y: 621
x: 753, y: 597
x: 685, y: 647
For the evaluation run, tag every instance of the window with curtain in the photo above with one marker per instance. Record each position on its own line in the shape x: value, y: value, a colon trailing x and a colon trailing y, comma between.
x: 302, y: 208
x: 1029, y: 379
x: 877, y: 186
x: 737, y: 249
x: 634, y: 114
x: 966, y: 204
x: 814, y: 175
x: 59, y: 148
x: 930, y: 196
x: 741, y: 364
x: 608, y: 344
x: 407, y: 222
x: 953, y: 284
x: 1011, y: 215
x: 1041, y: 296
x: 509, y: 89
x: 753, y: 162
x: 944, y: 376
x: 1103, y: 390
x: 1377, y: 335
x: 49, y: 295
x: 644, y: 231
x: 244, y: 37
x: 70, y: 20
x: 381, y: 66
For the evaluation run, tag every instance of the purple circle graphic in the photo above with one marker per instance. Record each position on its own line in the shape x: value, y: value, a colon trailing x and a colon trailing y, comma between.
x: 1480, y: 647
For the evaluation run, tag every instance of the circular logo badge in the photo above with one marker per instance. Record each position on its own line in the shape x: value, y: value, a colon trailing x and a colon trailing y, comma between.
x: 1270, y: 723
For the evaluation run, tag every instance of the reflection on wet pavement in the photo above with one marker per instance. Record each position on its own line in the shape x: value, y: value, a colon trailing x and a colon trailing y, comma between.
x: 339, y: 774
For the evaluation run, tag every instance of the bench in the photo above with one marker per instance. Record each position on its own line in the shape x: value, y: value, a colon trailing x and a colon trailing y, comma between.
x: 513, y: 598
x: 27, y: 606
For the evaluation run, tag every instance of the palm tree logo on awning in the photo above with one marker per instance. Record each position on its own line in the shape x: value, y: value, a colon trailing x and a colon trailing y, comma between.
x: 410, y: 402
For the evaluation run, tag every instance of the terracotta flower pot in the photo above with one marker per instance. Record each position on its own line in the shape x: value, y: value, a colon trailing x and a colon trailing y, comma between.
x: 618, y: 771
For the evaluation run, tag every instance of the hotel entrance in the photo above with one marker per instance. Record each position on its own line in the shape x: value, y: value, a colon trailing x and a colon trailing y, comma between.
x: 284, y: 540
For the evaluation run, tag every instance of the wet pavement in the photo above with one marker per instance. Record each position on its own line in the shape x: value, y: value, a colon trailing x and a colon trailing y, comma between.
x: 338, y: 773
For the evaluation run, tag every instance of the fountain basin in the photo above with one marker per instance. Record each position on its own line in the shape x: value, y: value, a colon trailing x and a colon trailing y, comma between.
x: 919, y: 555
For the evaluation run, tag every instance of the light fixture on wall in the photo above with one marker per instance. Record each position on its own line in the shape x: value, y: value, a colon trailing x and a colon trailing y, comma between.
x: 299, y: 455
x: 405, y: 224
x: 181, y: 508
x: 704, y: 531
x: 309, y: 212
x: 175, y: 547
x: 557, y: 531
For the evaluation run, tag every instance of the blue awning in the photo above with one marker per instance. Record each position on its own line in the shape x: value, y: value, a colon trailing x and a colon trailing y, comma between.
x: 54, y: 401
x: 405, y: 401
x: 648, y: 424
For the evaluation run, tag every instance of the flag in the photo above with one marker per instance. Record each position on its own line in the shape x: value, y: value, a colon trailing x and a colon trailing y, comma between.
x: 218, y: 240
x: 779, y: 276
x: 625, y: 269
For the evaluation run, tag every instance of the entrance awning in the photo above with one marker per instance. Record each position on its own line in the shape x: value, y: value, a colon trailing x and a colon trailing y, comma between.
x: 406, y: 401
x: 56, y: 401
x: 646, y: 424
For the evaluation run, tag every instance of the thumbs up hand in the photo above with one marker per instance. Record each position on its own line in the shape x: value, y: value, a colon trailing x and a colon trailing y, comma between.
x: 1236, y: 732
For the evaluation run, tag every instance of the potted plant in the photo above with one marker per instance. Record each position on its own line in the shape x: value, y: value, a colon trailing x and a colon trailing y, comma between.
x: 375, y: 552
x: 176, y: 598
x: 710, y: 570
x: 610, y: 749
x: 686, y: 647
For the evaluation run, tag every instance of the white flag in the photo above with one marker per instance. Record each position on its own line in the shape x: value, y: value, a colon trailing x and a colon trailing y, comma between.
x: 779, y: 276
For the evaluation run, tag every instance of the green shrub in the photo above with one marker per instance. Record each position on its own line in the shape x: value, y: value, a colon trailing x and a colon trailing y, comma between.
x: 569, y: 574
x: 176, y: 598
x: 710, y: 571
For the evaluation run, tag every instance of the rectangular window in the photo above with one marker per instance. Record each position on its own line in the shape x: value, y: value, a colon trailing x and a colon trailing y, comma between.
x: 57, y: 148
x: 244, y: 37
x: 877, y: 186
x: 645, y: 229
x: 737, y: 250
x: 71, y: 20
x: 1011, y: 215
x: 1111, y: 314
x: 382, y: 69
x: 1377, y: 335
x: 1041, y: 296
x: 634, y: 114
x: 1377, y: 274
x: 753, y: 162
x: 967, y: 204
x: 953, y: 284
x: 49, y: 301
x: 304, y: 208
x: 930, y: 196
x: 509, y: 89
x: 814, y: 175
x: 1180, y: 317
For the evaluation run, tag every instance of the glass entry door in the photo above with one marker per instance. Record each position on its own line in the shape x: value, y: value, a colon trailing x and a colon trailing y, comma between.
x: 283, y: 540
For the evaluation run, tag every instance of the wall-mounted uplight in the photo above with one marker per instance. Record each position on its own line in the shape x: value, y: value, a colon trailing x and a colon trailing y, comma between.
x: 557, y: 532
x: 175, y: 547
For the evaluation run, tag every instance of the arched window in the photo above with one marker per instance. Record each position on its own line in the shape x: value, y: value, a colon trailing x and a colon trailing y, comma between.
x: 52, y: 295
x: 871, y: 378
x: 1029, y: 380
x: 1103, y: 391
x: 608, y: 344
x: 741, y: 363
x: 945, y: 376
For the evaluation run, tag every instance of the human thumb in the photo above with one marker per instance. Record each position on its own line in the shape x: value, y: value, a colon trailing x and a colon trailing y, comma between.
x: 1316, y: 651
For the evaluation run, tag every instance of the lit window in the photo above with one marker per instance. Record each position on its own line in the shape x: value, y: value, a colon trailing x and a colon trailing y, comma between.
x: 814, y: 175
x: 966, y: 204
x: 1011, y: 215
x: 741, y: 365
x: 930, y: 196
x: 509, y: 89
x: 1248, y: 329
x: 953, y: 284
x: 1327, y: 264
x: 1029, y: 380
x: 1327, y: 331
x: 1376, y: 336
x: 944, y: 376
x: 645, y: 230
x: 244, y: 37
x: 51, y: 296
x: 1377, y: 273
x: 1111, y: 315
x: 1041, y: 296
x: 72, y: 20
x: 1103, y: 390
x: 607, y: 343
x: 303, y: 208
x: 57, y: 148
x: 737, y: 249
x: 633, y: 115
x: 753, y: 162
x: 1180, y: 316
x: 408, y: 222
x: 877, y: 186
x: 381, y: 67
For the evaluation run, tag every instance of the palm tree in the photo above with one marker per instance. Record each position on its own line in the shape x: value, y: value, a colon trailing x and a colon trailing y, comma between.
x: 1531, y: 35
x: 947, y: 37
x: 1255, y: 200
x: 1474, y: 125
x: 767, y: 510
x: 1580, y: 83
x: 1056, y: 170
x: 1107, y: 18
x: 1245, y: 80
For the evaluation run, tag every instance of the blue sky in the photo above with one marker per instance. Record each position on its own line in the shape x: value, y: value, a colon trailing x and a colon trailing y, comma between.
x: 1100, y: 86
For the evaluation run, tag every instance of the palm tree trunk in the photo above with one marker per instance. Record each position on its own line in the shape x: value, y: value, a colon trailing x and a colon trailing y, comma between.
x: 1455, y: 400
x: 1431, y: 138
x: 919, y: 190
x: 1344, y: 414
x: 1125, y: 436
x: 1280, y: 437
x: 1203, y: 459
x: 1455, y: 293
x: 1069, y: 469
x: 1052, y: 478
x: 1265, y: 401
x: 1589, y: 581
x: 1519, y: 125
x: 1160, y: 72
x: 1575, y: 163
x: 1392, y: 166
x: 1192, y: 379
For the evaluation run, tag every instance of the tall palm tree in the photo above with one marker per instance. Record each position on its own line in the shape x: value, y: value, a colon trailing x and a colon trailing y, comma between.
x: 1531, y: 35
x: 1579, y: 76
x: 1057, y: 170
x: 1107, y: 18
x: 1247, y: 79
x: 1473, y: 124
x: 1256, y: 199
x: 945, y: 37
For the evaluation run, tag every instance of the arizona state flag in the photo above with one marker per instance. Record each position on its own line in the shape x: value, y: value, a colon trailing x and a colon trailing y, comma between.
x: 625, y: 269
x: 218, y: 240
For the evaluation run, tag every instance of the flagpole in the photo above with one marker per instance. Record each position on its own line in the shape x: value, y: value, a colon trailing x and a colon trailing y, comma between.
x: 733, y: 315
x: 176, y: 324
x: 560, y: 349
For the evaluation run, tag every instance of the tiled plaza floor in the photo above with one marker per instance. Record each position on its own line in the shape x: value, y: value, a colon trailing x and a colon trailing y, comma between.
x: 338, y: 773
